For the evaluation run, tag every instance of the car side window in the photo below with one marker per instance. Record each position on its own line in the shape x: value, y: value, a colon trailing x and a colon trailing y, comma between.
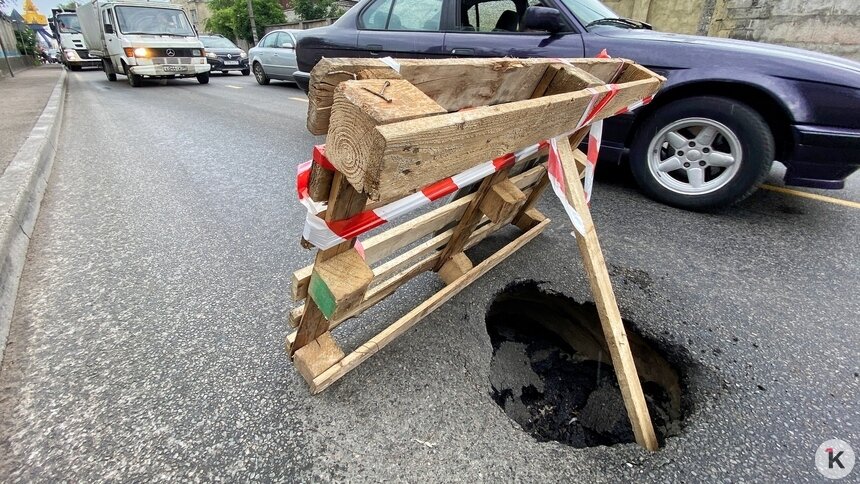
x: 269, y: 40
x: 489, y: 16
x: 415, y: 15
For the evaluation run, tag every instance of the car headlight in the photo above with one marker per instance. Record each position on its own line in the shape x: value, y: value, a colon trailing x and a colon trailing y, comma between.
x: 243, y: 54
x: 72, y: 55
x: 211, y: 55
x: 141, y: 52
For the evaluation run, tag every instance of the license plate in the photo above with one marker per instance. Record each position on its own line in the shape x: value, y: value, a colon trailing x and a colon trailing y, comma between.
x: 231, y: 63
x: 174, y: 68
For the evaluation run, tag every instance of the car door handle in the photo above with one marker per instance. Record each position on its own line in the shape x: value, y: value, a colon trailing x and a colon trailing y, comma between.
x: 374, y: 48
x: 462, y: 51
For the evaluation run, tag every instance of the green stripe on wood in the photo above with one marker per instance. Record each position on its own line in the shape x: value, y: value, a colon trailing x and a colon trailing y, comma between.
x: 322, y: 295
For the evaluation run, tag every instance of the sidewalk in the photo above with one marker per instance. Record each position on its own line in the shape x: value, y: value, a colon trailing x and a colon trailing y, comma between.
x: 23, y: 99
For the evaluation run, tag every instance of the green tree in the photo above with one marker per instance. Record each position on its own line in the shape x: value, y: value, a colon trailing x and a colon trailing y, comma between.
x: 316, y: 9
x: 230, y: 17
x: 26, y: 42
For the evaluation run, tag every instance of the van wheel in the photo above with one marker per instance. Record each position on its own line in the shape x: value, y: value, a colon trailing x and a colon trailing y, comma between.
x: 134, y: 80
x: 203, y: 78
x: 702, y: 153
x: 107, y: 66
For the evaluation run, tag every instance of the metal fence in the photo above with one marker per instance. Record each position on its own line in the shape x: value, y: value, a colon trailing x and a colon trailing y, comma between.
x: 10, y: 58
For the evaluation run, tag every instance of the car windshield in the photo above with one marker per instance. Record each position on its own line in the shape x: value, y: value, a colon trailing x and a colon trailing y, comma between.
x: 587, y: 11
x: 153, y: 20
x: 68, y: 24
x: 217, y: 43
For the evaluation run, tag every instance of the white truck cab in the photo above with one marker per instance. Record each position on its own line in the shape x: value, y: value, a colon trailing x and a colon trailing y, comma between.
x: 143, y: 39
x: 66, y: 28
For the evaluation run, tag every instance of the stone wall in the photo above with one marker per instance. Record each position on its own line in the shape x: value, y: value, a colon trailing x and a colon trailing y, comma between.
x: 831, y: 26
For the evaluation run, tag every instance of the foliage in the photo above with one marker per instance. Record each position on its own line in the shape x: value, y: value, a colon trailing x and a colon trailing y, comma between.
x: 316, y: 9
x: 230, y: 17
x: 27, y: 43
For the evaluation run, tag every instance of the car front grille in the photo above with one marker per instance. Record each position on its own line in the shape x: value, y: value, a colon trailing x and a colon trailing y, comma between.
x: 154, y: 52
x: 171, y: 60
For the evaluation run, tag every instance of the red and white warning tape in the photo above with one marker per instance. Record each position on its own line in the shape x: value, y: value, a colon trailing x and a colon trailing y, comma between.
x: 326, y: 234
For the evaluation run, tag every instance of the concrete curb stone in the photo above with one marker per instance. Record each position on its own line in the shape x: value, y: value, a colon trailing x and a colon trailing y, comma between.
x: 22, y: 186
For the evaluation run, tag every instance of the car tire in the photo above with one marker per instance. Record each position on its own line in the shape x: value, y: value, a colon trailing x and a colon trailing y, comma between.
x: 223, y: 73
x: 246, y: 72
x: 702, y: 153
x: 203, y: 78
x: 134, y: 80
x: 109, y: 72
x: 260, y: 74
x: 74, y: 68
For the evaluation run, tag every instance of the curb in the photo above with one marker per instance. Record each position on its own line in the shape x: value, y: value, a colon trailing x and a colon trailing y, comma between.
x: 22, y: 186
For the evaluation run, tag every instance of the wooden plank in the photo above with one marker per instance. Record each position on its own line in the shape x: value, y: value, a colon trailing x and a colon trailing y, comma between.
x: 453, y: 83
x: 503, y: 199
x: 344, y: 202
x: 359, y: 107
x: 607, y: 306
x: 317, y: 356
x: 456, y: 266
x: 529, y: 219
x: 522, y: 220
x: 405, y: 155
x: 409, y: 320
x: 470, y: 218
x: 338, y: 284
x: 384, y: 244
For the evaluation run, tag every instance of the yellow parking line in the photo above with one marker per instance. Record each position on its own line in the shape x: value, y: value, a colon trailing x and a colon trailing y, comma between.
x: 304, y: 100
x: 812, y: 196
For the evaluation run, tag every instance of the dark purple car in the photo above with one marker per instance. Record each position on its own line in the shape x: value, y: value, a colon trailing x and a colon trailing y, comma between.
x: 728, y: 109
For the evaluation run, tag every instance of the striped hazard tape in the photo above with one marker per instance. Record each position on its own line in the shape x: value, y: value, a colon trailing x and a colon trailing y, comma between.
x: 326, y: 234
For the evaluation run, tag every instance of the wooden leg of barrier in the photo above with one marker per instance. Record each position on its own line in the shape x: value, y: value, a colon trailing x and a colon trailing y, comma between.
x: 607, y: 306
x: 522, y: 220
x: 344, y: 202
x: 317, y: 356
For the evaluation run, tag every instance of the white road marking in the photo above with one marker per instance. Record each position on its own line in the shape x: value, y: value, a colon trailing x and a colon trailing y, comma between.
x: 304, y: 100
x: 234, y: 87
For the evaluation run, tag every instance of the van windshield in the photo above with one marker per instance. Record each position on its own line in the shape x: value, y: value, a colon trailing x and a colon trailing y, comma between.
x: 153, y: 20
x: 68, y: 23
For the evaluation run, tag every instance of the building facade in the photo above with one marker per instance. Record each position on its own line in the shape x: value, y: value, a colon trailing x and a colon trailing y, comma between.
x: 830, y: 26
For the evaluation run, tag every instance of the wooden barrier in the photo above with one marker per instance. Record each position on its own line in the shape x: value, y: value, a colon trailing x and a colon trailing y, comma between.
x: 394, y: 129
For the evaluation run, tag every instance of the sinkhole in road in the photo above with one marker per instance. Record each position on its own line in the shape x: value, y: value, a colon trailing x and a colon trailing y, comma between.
x: 551, y: 372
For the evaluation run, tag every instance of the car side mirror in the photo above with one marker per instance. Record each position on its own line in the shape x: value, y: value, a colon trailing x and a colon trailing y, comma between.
x: 287, y: 45
x: 108, y: 28
x: 542, y: 19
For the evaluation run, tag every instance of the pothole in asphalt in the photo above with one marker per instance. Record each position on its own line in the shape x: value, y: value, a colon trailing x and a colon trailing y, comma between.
x: 551, y: 371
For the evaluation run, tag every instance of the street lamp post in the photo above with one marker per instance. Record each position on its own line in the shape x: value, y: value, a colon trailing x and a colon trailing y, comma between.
x: 253, y: 24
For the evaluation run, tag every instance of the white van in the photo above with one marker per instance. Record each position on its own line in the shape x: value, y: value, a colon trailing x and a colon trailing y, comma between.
x: 143, y: 39
x: 74, y: 53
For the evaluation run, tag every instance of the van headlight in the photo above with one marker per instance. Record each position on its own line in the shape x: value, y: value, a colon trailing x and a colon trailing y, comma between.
x: 72, y: 55
x: 141, y: 52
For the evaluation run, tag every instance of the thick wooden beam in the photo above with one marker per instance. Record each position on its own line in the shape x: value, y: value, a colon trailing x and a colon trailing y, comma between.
x: 365, y: 351
x: 607, y: 306
x: 359, y: 107
x: 317, y: 356
x: 402, y: 156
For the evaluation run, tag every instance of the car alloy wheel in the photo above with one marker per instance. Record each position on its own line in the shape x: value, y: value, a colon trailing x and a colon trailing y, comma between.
x: 694, y: 156
x: 260, y: 74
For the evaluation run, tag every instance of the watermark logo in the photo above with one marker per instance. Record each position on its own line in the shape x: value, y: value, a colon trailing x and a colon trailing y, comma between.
x: 834, y: 459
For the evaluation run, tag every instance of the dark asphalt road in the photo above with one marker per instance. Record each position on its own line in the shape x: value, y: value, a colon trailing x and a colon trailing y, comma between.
x: 147, y: 342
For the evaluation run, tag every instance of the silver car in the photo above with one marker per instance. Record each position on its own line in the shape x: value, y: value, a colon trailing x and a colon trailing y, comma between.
x: 274, y: 57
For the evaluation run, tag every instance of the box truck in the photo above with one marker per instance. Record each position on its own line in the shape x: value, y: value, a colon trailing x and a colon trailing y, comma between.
x: 74, y: 53
x: 143, y: 39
